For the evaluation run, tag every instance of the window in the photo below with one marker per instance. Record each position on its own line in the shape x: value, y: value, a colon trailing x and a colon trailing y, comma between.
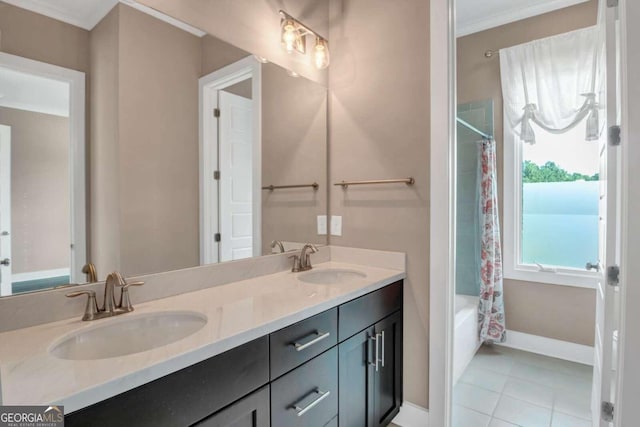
x: 553, y: 220
x: 553, y: 94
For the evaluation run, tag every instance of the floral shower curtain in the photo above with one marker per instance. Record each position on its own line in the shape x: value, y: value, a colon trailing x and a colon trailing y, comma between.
x: 491, y: 310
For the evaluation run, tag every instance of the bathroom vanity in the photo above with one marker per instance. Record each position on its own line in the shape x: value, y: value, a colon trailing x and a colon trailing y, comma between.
x: 321, y: 347
x: 345, y: 361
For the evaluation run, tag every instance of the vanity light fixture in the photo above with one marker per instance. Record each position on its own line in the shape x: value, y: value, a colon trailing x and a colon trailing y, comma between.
x: 293, y: 35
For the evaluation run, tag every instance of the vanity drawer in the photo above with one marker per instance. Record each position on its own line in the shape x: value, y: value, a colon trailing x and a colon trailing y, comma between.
x: 308, y: 395
x: 302, y: 341
x: 184, y: 397
x: 363, y: 312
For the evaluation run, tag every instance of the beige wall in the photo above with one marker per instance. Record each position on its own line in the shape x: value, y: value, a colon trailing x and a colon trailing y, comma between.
x: 294, y: 151
x: 253, y: 25
x: 217, y: 54
x: 104, y: 153
x: 40, y: 234
x: 54, y: 42
x: 158, y: 116
x: 379, y: 128
x: 145, y: 135
x: 564, y: 313
x: 243, y: 89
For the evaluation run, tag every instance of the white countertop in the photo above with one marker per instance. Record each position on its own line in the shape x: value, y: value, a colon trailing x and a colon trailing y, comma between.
x: 237, y: 313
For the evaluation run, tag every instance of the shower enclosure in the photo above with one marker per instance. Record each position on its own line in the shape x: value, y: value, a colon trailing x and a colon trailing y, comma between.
x: 475, y: 122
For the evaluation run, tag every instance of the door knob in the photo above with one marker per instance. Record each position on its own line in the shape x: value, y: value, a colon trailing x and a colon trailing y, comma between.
x: 591, y: 266
x: 6, y: 262
x: 4, y: 233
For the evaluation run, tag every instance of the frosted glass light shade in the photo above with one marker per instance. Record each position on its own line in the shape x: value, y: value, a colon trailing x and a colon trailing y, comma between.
x: 321, y: 53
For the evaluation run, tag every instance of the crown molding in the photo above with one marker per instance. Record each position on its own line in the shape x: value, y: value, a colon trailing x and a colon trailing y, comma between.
x: 89, y: 18
x: 508, y: 16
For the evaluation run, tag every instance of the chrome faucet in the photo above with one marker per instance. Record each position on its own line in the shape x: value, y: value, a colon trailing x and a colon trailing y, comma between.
x: 305, y: 258
x: 279, y: 244
x: 109, y: 306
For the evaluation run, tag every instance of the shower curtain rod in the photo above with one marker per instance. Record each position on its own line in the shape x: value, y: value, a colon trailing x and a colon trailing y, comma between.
x: 473, y: 128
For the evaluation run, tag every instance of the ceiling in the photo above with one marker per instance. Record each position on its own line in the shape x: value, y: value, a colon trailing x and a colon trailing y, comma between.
x: 81, y: 13
x: 87, y: 13
x: 28, y: 92
x: 473, y: 16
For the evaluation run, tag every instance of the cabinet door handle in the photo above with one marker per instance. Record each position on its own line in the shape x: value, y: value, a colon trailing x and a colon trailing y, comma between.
x: 376, y: 356
x: 320, y: 336
x: 321, y: 396
x: 382, y: 339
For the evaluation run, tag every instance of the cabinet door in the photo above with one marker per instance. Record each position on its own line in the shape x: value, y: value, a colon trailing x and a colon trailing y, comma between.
x: 387, y: 394
x: 356, y: 376
x: 251, y: 411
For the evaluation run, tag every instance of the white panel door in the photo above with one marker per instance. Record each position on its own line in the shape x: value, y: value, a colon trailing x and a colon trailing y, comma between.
x: 607, y: 293
x: 5, y: 210
x: 236, y: 177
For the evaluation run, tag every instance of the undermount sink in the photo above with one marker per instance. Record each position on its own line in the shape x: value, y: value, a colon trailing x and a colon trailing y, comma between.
x: 128, y: 334
x: 331, y: 276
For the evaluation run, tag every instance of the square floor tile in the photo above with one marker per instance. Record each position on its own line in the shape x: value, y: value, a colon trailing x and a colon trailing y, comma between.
x: 484, y: 378
x: 476, y: 398
x: 573, y: 383
x: 542, y: 361
x: 522, y: 413
x: 495, y: 362
x: 537, y: 394
x: 499, y: 423
x: 534, y: 374
x: 564, y: 420
x: 463, y: 417
x: 573, y: 404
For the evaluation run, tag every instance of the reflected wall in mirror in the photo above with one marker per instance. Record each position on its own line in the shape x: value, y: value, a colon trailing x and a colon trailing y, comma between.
x: 184, y: 143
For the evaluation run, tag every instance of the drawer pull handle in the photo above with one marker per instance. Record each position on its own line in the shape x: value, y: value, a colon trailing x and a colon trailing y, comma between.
x: 321, y: 396
x: 320, y: 336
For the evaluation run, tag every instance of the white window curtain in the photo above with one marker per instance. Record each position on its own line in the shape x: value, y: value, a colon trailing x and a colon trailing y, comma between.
x: 554, y: 82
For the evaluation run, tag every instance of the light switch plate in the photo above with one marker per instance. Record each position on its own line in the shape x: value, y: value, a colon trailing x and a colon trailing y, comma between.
x: 336, y: 225
x: 322, y: 225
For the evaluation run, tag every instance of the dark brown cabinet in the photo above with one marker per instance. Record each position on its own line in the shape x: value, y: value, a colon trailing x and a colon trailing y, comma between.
x: 184, y: 397
x: 356, y: 374
x: 339, y: 368
x: 371, y: 375
x: 251, y: 411
x: 387, y: 381
x: 308, y: 395
x: 292, y: 346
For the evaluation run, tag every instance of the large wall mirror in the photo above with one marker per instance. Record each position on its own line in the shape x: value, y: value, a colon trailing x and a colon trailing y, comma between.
x: 140, y: 144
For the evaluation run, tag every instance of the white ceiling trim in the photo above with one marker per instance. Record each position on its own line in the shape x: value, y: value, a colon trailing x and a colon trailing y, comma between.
x: 165, y: 18
x: 509, y: 16
x: 93, y: 12
x: 86, y: 20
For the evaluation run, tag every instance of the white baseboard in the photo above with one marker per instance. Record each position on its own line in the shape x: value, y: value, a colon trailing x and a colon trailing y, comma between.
x: 550, y: 347
x: 411, y: 415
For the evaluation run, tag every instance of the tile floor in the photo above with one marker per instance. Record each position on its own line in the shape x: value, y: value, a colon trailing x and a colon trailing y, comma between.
x: 503, y: 387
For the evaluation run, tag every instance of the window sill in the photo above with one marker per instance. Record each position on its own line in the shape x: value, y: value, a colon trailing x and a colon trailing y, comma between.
x: 576, y: 279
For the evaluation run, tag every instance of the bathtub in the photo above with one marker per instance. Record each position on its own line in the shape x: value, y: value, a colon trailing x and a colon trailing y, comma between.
x: 465, y: 335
